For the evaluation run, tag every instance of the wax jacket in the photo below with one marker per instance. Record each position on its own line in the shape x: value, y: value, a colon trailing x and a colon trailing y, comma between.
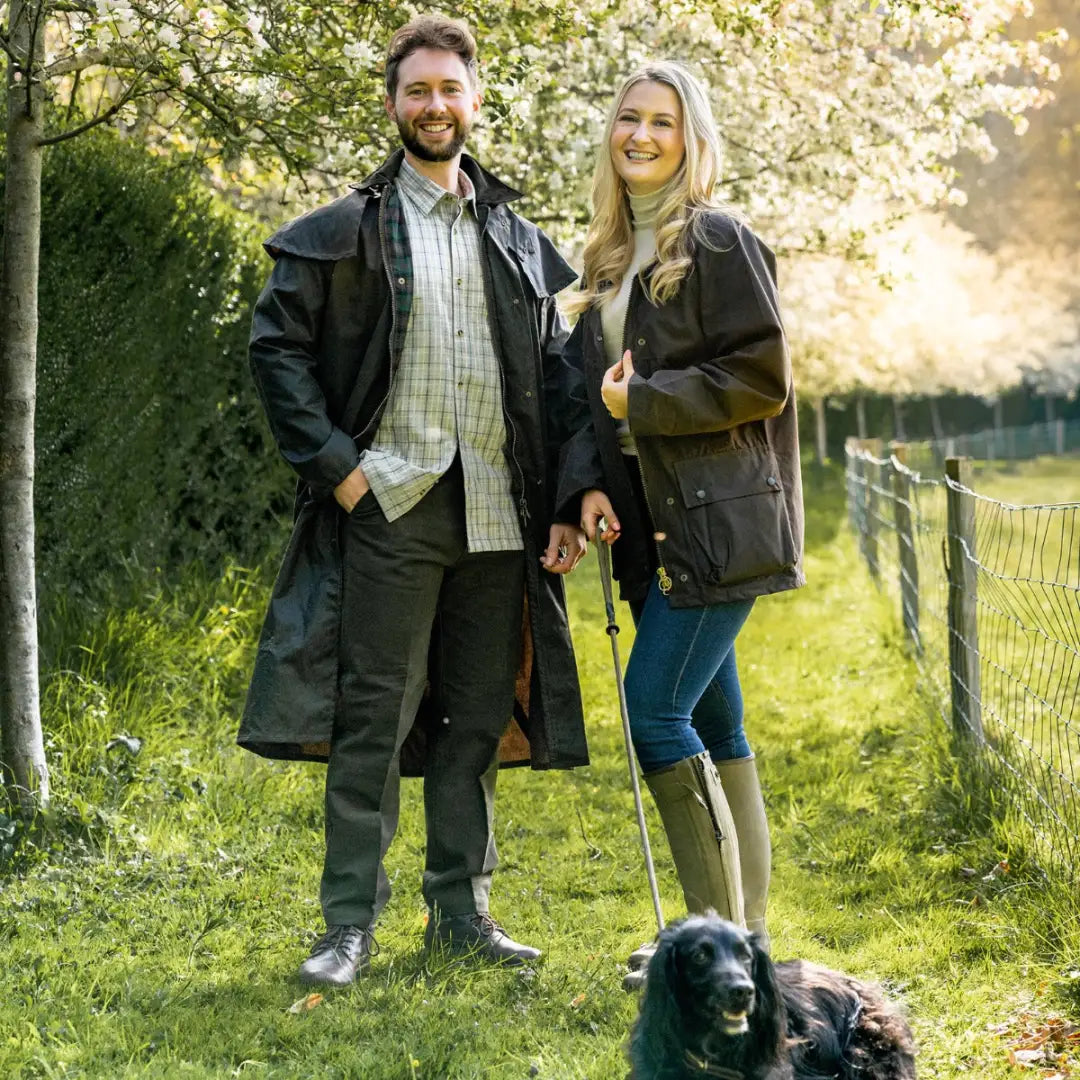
x: 711, y: 407
x: 326, y: 341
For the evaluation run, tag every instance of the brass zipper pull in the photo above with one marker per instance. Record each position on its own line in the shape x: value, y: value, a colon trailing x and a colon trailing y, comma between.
x: 665, y: 581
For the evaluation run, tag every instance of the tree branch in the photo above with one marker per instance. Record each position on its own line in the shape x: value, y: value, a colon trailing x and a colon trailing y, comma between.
x: 108, y: 114
x: 95, y: 58
x: 6, y: 46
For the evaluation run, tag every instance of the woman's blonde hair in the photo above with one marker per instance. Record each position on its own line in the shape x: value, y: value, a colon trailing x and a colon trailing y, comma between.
x: 680, y: 220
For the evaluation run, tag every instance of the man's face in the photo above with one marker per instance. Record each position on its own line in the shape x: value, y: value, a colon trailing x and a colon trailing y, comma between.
x: 434, y: 105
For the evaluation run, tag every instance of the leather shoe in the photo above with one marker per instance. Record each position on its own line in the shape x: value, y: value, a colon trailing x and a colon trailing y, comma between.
x: 479, y: 935
x: 634, y: 979
x: 341, y: 954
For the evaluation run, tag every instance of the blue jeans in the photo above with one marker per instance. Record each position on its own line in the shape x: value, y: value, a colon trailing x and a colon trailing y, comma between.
x: 682, y: 685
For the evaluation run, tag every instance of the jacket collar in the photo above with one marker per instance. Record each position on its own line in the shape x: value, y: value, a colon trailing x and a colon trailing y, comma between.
x: 490, y: 190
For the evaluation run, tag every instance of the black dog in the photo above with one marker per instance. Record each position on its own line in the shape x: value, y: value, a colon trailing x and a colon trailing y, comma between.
x: 715, y: 1005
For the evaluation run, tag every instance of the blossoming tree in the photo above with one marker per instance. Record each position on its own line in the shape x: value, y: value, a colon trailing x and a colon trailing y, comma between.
x: 822, y: 102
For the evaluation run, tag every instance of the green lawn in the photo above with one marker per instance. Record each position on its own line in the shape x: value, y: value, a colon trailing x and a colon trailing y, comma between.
x: 155, y: 930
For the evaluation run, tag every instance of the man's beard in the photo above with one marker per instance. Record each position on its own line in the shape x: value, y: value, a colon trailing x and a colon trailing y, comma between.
x: 444, y: 152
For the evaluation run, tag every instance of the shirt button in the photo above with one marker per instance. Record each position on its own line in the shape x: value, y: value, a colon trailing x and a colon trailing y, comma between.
x: 670, y: 501
x: 772, y: 482
x: 461, y: 383
x: 461, y: 333
x: 459, y: 281
x: 516, y: 300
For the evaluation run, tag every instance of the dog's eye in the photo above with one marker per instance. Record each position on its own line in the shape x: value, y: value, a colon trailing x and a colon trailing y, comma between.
x: 703, y: 954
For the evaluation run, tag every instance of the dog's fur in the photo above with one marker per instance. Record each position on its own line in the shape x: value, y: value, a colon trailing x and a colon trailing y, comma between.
x: 715, y: 1005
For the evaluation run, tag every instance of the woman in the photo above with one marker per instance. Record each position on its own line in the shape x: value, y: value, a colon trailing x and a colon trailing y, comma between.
x: 691, y: 455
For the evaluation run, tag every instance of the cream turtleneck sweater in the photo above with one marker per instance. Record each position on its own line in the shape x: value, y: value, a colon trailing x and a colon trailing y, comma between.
x: 643, y: 211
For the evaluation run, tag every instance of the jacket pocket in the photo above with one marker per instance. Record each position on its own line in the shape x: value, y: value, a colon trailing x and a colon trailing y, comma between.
x: 737, y: 514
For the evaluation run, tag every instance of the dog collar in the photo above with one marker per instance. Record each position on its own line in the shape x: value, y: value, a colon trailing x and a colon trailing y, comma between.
x: 707, y: 1068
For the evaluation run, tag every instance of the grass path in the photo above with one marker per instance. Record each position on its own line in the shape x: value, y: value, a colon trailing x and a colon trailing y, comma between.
x: 159, y: 935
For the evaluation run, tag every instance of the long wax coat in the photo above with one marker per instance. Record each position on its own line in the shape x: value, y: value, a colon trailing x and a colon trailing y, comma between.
x: 326, y: 340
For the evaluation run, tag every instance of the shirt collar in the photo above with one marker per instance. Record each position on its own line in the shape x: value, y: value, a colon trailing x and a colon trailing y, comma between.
x: 425, y: 194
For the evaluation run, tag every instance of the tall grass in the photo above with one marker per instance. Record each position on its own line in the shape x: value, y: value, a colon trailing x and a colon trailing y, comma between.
x: 154, y: 928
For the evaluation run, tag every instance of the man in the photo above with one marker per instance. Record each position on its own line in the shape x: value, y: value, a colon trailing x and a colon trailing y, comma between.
x: 407, y: 350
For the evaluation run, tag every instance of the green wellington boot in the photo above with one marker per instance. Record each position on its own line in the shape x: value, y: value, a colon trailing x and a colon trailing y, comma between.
x: 742, y: 788
x: 703, y: 842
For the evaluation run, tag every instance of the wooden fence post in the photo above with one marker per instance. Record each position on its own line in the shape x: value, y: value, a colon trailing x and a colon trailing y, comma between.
x: 964, y: 674
x: 1059, y: 437
x: 872, y: 471
x: 905, y: 542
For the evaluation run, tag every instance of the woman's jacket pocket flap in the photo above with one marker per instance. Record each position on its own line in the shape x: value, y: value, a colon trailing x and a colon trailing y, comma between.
x: 733, y: 474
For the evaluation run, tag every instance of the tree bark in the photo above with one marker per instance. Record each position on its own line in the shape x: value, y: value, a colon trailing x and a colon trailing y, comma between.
x: 899, y: 432
x: 860, y: 415
x: 25, y: 773
x: 935, y: 419
x: 820, y: 431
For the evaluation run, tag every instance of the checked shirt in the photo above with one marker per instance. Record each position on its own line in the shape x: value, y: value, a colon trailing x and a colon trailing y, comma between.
x: 446, y: 396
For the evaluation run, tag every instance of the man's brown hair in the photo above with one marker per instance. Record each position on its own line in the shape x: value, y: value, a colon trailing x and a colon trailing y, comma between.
x: 429, y: 32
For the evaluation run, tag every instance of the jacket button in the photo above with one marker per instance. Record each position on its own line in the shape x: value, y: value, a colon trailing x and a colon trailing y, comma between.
x: 684, y: 577
x: 670, y: 501
x: 772, y: 482
x: 528, y: 393
x: 401, y: 281
x: 641, y: 341
x: 516, y: 300
x: 700, y: 493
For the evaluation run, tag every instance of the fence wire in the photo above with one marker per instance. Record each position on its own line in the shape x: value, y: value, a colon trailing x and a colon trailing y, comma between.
x: 989, y: 594
x: 1053, y: 438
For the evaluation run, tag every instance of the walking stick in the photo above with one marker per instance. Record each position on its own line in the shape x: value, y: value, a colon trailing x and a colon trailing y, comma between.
x: 603, y: 555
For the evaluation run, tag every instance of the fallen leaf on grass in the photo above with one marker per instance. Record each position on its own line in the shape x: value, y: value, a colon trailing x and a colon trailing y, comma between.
x: 1046, y: 1044
x: 577, y: 1001
x: 306, y: 1004
x: 1026, y: 1058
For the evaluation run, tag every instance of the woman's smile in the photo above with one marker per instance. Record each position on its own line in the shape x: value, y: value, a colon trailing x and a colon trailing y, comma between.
x: 647, y: 144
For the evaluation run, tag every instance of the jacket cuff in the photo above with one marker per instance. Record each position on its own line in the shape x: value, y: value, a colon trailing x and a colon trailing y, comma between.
x: 334, y: 460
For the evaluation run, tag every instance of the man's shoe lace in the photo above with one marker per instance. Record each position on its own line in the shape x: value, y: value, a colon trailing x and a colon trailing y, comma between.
x: 343, y: 938
x: 486, y: 925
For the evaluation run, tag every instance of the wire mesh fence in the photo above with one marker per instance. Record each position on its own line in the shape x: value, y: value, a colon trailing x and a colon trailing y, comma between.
x: 989, y: 595
x: 997, y: 445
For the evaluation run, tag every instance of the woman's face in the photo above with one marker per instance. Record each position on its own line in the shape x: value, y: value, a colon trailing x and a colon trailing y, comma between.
x: 647, y: 144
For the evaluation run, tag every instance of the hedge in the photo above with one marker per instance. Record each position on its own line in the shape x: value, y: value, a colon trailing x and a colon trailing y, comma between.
x: 151, y: 445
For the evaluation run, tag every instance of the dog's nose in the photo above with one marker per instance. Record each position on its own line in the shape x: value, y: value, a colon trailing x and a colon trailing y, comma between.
x: 741, y: 994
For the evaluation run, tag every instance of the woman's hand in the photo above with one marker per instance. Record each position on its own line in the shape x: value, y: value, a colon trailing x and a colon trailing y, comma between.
x: 615, y: 387
x: 594, y: 506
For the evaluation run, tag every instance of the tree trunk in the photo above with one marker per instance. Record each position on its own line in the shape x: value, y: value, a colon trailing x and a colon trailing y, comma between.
x: 860, y: 416
x: 999, y: 414
x: 935, y: 419
x: 25, y: 774
x: 821, y: 445
x: 899, y: 432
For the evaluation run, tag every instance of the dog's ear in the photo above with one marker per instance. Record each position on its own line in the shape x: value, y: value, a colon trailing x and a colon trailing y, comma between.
x: 656, y: 1039
x: 768, y: 1021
